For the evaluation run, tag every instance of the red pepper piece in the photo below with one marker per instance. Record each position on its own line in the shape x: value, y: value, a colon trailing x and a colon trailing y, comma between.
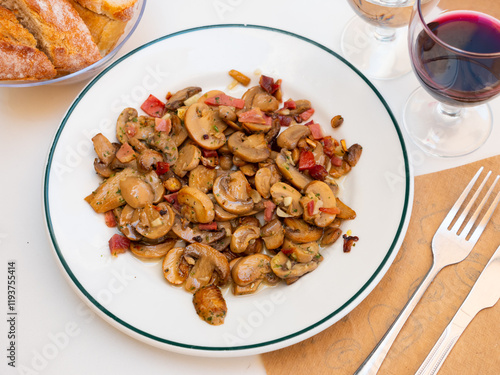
x: 310, y: 208
x: 209, y: 153
x: 162, y: 168
x: 306, y: 160
x: 330, y: 210
x: 208, y: 226
x: 223, y: 99
x: 287, y: 251
x: 153, y: 106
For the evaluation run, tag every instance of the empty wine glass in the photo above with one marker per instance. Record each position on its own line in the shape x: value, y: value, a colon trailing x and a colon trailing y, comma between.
x: 376, y: 41
x: 455, y: 52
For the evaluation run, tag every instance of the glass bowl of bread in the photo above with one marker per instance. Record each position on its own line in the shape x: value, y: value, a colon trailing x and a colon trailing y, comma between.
x: 62, y: 41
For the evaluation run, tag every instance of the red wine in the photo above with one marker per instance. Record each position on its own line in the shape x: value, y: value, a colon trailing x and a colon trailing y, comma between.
x: 451, y: 76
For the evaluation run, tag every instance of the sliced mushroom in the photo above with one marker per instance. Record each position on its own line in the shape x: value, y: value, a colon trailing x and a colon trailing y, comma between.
x: 126, y: 223
x: 202, y: 125
x: 346, y: 212
x: 104, y: 149
x: 287, y: 199
x: 301, y: 252
x: 223, y: 215
x: 147, y: 159
x: 210, y: 305
x: 330, y: 235
x: 251, y: 271
x: 196, y: 206
x: 243, y: 237
x: 126, y: 116
x: 202, y: 178
x: 136, y: 192
x: 292, y: 174
x: 252, y: 148
x: 319, y: 195
x: 193, y: 234
x: 108, y: 195
x: 207, y: 261
x: 178, y: 134
x: 289, y: 138
x: 152, y: 251
x: 231, y: 193
x: 285, y: 268
x: 155, y: 223
x: 263, y: 182
x: 175, y: 267
x: 273, y: 234
x: 301, y: 232
x: 189, y: 158
x: 177, y: 100
x: 156, y: 184
x: 256, y: 97
x: 162, y: 142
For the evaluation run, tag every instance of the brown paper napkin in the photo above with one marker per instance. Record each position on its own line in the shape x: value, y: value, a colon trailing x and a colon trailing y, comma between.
x: 341, y: 348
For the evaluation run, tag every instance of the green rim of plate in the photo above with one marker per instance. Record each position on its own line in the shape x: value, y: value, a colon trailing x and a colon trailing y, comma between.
x: 223, y: 348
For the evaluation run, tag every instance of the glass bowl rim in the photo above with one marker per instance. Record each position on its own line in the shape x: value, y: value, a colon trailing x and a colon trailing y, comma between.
x: 100, y: 62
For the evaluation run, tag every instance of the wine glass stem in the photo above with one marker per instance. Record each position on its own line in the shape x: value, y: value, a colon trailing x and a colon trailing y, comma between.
x: 449, y: 110
x: 384, y: 34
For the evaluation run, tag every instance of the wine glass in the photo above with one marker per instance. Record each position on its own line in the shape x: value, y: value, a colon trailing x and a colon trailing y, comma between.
x: 376, y: 41
x: 455, y: 52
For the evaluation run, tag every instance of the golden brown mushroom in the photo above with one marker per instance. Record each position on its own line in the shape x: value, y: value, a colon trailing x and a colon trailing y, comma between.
x: 204, y: 126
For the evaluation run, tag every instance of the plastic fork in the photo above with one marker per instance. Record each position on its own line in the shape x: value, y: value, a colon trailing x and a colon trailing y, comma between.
x: 449, y: 246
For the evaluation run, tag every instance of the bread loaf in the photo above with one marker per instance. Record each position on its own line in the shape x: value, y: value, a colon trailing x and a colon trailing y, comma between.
x: 121, y: 10
x: 61, y: 33
x: 105, y: 31
x: 19, y: 57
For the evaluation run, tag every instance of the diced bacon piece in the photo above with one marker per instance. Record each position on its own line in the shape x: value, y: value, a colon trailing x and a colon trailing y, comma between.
x: 336, y: 161
x: 209, y: 153
x: 163, y: 125
x: 172, y: 199
x: 118, y: 244
x: 318, y: 172
x: 329, y: 145
x: 330, y: 210
x: 223, y: 99
x: 290, y: 104
x: 109, y: 219
x: 285, y: 120
x: 266, y: 83
x: 126, y: 153
x: 208, y: 226
x: 269, y: 208
x: 315, y: 130
x: 306, y: 115
x: 253, y: 116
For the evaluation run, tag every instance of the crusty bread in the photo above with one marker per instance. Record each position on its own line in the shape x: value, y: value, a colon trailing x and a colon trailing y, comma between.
x: 59, y: 30
x: 121, y: 10
x: 19, y: 57
x: 105, y: 31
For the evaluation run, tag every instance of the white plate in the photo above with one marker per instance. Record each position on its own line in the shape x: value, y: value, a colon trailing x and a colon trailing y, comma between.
x: 132, y: 295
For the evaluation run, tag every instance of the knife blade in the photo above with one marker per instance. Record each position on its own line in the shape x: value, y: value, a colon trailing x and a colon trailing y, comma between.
x: 484, y: 294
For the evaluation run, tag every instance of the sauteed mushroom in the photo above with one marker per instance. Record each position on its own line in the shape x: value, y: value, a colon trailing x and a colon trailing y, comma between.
x: 202, y: 125
x: 196, y: 206
x: 252, y: 148
x: 230, y: 192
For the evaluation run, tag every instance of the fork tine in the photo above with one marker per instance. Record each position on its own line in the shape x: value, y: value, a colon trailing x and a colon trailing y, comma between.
x: 473, y: 218
x: 485, y: 219
x: 451, y: 214
x: 466, y: 210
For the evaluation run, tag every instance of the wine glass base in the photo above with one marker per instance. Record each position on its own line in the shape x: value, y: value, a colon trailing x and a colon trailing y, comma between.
x: 377, y: 57
x: 443, y: 134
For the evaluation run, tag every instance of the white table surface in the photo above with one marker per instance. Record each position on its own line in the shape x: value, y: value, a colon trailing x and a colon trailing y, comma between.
x: 56, y: 332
